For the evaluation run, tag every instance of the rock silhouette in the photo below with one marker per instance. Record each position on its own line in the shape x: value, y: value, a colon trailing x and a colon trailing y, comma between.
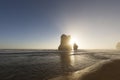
x: 75, y: 46
x: 65, y: 43
x: 118, y: 45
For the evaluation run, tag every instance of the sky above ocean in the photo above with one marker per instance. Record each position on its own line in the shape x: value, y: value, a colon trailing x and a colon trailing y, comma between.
x: 38, y: 24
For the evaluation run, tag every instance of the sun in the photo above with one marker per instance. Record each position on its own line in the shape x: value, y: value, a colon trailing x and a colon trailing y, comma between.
x: 73, y: 40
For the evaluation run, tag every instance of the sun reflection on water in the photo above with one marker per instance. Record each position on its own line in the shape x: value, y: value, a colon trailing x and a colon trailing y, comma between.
x: 72, y: 58
x: 67, y: 61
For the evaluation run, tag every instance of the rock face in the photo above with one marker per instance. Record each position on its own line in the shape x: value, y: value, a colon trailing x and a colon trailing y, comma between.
x: 65, y: 43
x: 118, y: 45
x: 75, y: 46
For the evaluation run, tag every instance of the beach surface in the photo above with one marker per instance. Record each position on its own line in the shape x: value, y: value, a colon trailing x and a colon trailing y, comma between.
x: 56, y: 65
x: 104, y: 70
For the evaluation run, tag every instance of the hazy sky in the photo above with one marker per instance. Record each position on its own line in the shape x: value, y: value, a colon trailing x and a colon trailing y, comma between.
x: 38, y: 24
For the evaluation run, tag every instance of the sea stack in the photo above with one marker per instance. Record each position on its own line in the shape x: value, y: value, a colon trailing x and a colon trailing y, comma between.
x: 118, y: 46
x: 65, y: 43
x: 75, y: 46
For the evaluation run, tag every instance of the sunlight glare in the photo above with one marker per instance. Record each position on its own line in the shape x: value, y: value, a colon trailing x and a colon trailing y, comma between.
x: 73, y: 40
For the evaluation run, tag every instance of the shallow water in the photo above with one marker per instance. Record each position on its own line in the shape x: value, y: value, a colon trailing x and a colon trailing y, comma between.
x: 45, y: 64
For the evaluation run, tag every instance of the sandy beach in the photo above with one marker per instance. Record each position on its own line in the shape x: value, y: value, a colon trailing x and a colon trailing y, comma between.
x: 55, y: 65
x: 103, y: 70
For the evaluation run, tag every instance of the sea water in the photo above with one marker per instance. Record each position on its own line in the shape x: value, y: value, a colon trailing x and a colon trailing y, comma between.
x: 16, y: 64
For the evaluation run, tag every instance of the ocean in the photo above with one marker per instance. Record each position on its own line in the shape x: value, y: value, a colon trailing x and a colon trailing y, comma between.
x: 26, y: 64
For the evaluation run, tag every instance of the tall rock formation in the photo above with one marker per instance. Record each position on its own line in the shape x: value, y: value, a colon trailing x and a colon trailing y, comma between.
x: 65, y: 43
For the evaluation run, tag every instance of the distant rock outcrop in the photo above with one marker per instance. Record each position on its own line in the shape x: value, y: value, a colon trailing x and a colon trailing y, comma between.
x: 118, y: 45
x: 65, y: 43
x: 75, y: 46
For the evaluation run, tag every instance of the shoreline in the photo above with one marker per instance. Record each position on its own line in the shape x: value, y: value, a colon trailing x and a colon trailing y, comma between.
x: 55, y: 66
x: 93, y: 72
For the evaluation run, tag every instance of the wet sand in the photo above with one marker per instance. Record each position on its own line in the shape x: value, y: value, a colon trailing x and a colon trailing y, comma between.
x: 53, y: 65
x: 43, y: 66
x: 103, y: 70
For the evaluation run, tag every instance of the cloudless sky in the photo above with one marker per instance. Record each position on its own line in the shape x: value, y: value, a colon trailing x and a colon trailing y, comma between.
x: 38, y: 24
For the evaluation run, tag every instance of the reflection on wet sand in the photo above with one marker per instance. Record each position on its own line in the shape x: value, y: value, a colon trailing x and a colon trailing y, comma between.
x: 67, y: 65
x: 67, y: 61
x: 78, y: 75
